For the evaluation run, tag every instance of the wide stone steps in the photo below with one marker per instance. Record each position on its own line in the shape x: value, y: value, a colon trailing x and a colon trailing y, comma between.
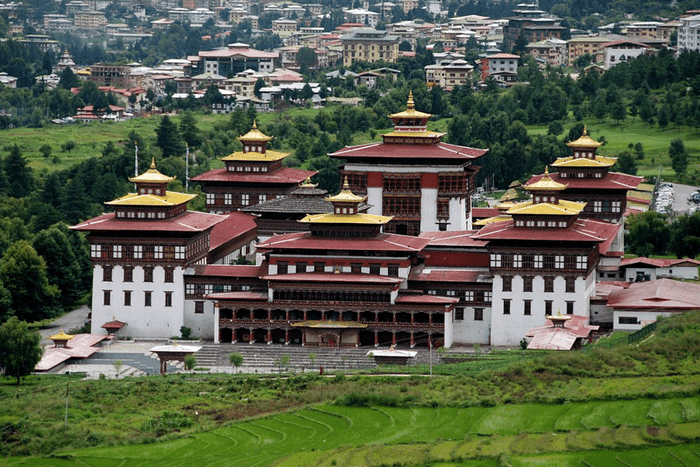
x: 268, y: 356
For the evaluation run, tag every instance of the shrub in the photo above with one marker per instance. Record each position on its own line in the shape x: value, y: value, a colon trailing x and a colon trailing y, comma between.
x: 185, y: 332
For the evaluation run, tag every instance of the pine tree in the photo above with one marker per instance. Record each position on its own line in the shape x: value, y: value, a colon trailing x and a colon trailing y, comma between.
x: 679, y: 156
x: 169, y: 139
x: 18, y: 174
x: 189, y: 130
x: 62, y: 268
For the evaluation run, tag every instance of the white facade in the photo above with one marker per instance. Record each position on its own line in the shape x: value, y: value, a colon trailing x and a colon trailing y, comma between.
x: 635, y: 320
x: 475, y: 328
x: 508, y: 326
x: 651, y: 273
x: 128, y: 301
x: 689, y: 33
x: 621, y: 53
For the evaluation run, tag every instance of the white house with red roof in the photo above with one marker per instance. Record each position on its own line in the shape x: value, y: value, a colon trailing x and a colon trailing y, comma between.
x: 644, y: 302
x: 649, y: 269
x: 231, y: 60
x: 501, y: 67
x: 622, y: 51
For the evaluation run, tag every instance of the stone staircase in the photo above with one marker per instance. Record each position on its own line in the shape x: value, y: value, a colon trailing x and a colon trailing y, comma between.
x: 265, y: 356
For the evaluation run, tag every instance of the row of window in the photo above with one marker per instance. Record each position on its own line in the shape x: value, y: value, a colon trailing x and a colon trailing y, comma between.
x: 548, y: 284
x: 248, y: 168
x: 128, y: 274
x: 355, y: 268
x: 242, y: 199
x: 478, y: 314
x: 527, y: 307
x: 177, y: 252
x: 141, y: 214
x: 147, y: 298
x: 532, y: 223
x: 470, y: 296
x: 206, y: 289
x: 517, y: 261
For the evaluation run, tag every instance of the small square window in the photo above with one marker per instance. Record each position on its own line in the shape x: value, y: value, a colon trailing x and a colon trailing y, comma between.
x: 107, y: 273
x: 147, y: 298
x: 199, y: 307
x: 478, y: 314
x: 459, y: 314
x: 506, y: 307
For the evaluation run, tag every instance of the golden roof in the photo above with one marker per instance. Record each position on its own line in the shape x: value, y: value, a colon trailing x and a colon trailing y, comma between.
x: 493, y: 220
x: 584, y: 141
x: 359, y: 218
x: 254, y: 135
x: 346, y: 195
x: 171, y: 198
x: 411, y: 111
x: 152, y: 175
x: 645, y: 187
x: 61, y: 336
x: 267, y: 156
x: 563, y: 208
x: 505, y: 205
x: 599, y: 161
x: 414, y: 134
x: 545, y: 184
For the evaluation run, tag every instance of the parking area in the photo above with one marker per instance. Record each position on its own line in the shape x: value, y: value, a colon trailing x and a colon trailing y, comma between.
x: 676, y: 198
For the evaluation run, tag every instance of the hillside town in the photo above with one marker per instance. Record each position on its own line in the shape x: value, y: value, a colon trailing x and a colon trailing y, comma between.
x: 467, y: 50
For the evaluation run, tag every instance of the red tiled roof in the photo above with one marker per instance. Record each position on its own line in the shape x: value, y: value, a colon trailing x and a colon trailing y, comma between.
x: 258, y: 296
x: 426, y: 299
x: 235, y: 225
x: 226, y: 270
x: 190, y: 221
x: 548, y: 337
x: 611, y: 181
x: 449, y: 275
x: 458, y: 238
x: 335, y: 278
x: 81, y: 346
x: 382, y: 242
x: 243, y: 52
x: 661, y: 294
x: 582, y: 230
x: 405, y: 151
x: 659, y: 262
x: 503, y: 55
x: 285, y: 175
x: 623, y: 41
x: 484, y: 213
x: 113, y: 325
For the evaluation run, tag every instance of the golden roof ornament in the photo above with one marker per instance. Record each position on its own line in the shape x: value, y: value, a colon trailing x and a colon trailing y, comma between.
x: 152, y: 175
x: 545, y: 183
x: 346, y: 195
x: 584, y: 141
x: 307, y: 183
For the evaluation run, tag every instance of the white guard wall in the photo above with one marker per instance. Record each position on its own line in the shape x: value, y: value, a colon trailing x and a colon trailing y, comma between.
x: 374, y: 199
x: 641, y: 317
x: 428, y: 210
x: 203, y: 325
x: 469, y: 331
x: 458, y: 215
x: 449, y: 329
x: 508, y: 329
x: 149, y: 322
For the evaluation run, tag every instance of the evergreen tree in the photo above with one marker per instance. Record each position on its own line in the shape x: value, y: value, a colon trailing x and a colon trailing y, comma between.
x: 679, y: 156
x: 75, y: 205
x: 626, y: 163
x: 189, y: 130
x: 23, y: 272
x: 168, y: 138
x: 648, y: 234
x: 618, y: 111
x: 685, y: 236
x: 18, y: 174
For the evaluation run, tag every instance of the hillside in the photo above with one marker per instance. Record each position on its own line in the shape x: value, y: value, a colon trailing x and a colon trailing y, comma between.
x: 612, y: 395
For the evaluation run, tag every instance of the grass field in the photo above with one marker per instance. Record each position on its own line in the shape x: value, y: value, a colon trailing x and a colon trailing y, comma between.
x: 91, y: 138
x: 534, y: 434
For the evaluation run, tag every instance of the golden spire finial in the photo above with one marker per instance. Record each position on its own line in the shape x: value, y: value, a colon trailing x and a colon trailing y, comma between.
x: 346, y: 185
x: 546, y: 170
x: 153, y: 162
x: 411, y: 105
x: 255, y: 124
x: 585, y: 131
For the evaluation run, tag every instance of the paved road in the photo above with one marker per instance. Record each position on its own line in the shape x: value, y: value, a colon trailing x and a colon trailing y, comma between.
x: 71, y: 320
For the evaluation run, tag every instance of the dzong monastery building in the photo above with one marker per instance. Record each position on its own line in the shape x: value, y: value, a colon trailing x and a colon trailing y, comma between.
x: 393, y: 259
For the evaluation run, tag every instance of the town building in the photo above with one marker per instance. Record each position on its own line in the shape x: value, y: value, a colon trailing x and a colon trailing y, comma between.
x: 284, y: 27
x: 501, y: 67
x: 650, y: 269
x: 89, y: 19
x: 621, y: 51
x: 550, y: 51
x: 689, y: 33
x: 251, y: 176
x: 587, y: 45
x: 448, y: 75
x: 423, y: 183
x: 118, y: 76
x: 362, y: 16
x: 369, y: 45
x: 533, y: 24
x: 232, y: 60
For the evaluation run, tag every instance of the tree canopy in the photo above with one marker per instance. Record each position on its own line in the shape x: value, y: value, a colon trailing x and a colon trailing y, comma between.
x: 20, y: 348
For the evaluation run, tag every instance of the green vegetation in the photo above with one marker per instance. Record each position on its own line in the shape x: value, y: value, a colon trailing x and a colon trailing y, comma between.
x: 612, y: 396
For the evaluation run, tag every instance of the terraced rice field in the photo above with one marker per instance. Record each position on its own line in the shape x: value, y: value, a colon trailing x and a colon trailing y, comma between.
x: 531, y: 434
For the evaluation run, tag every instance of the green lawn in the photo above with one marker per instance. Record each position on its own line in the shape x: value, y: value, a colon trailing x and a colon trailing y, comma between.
x: 531, y: 434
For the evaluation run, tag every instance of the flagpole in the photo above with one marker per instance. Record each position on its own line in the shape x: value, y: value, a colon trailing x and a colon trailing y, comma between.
x: 136, y: 160
x: 187, y: 167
